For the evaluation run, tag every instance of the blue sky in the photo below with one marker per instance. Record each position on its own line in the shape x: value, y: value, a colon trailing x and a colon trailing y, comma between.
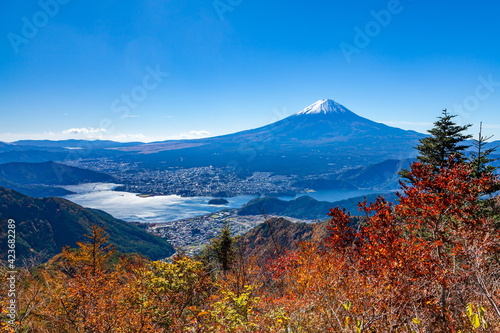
x: 164, y: 69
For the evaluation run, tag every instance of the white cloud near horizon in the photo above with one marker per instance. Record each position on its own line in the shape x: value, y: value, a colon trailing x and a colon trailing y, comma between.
x: 101, y: 134
x: 84, y: 130
x: 193, y: 135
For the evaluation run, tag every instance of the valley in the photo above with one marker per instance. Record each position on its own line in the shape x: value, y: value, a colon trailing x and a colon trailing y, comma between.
x: 233, y: 166
x: 192, y: 182
x: 325, y: 147
x: 191, y: 235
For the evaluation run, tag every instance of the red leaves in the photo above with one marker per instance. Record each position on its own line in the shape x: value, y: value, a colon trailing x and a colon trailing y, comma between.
x: 413, y: 266
x: 415, y: 259
x: 342, y: 234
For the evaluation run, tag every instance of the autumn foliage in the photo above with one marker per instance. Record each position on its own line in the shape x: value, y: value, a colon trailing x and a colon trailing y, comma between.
x: 430, y: 263
x: 427, y: 264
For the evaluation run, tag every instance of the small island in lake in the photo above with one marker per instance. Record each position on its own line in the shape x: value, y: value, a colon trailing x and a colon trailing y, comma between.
x: 218, y: 202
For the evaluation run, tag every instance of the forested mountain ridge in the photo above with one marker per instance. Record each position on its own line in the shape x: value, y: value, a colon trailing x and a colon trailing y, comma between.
x: 42, y: 179
x: 45, y: 226
x: 50, y: 173
x: 305, y: 207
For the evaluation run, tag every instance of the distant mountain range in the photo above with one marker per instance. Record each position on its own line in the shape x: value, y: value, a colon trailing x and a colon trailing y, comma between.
x: 324, y: 137
x: 378, y: 176
x: 75, y: 144
x: 35, y: 151
x: 326, y: 145
x: 41, y: 179
x: 38, y: 191
x: 45, y: 226
x: 323, y: 123
x: 50, y: 173
x: 307, y: 208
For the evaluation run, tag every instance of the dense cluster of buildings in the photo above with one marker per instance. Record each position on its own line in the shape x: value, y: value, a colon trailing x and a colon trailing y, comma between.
x: 190, y: 235
x: 199, y: 181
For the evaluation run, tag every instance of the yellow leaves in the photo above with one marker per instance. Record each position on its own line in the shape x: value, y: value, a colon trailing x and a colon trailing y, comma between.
x: 359, y: 326
x: 470, y: 309
x: 233, y: 309
x: 347, y: 306
x: 408, y: 268
x: 477, y: 319
x: 180, y: 276
x: 351, y: 322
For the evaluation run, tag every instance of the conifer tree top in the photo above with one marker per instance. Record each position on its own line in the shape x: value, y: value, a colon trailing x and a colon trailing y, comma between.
x: 445, y: 141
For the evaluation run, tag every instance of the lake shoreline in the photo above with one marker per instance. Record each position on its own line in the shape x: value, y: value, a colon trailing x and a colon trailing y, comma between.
x: 134, y: 207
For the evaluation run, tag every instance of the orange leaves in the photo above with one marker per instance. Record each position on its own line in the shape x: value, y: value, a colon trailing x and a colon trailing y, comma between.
x: 413, y: 266
x: 421, y: 258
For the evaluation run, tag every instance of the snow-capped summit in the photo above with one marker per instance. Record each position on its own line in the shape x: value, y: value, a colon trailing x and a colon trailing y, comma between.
x: 324, y: 106
x: 323, y: 137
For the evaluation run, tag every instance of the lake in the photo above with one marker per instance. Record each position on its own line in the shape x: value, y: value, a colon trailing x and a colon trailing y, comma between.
x: 130, y: 207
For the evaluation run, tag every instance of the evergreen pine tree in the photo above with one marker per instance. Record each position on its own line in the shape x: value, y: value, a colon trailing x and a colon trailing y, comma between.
x: 221, y: 252
x: 444, y: 142
x: 480, y: 158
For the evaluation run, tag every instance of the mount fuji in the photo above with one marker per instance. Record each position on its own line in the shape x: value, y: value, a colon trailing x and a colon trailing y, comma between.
x: 325, y: 136
x: 325, y: 121
x: 324, y: 106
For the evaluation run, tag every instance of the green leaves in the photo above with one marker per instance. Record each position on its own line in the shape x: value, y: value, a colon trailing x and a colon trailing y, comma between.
x: 444, y: 142
x: 221, y: 252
